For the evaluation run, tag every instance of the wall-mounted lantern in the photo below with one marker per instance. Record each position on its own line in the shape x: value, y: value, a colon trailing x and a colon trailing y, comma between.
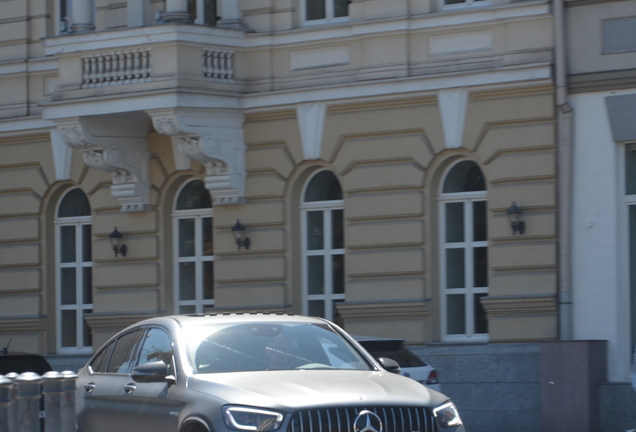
x: 238, y: 231
x: 514, y: 214
x: 115, y: 242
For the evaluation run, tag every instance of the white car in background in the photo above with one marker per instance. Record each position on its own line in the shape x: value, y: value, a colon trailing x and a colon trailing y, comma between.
x: 411, y: 365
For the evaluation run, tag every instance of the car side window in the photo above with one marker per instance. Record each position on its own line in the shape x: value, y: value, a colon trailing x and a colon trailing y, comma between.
x: 100, y: 363
x: 122, y: 354
x: 157, y: 346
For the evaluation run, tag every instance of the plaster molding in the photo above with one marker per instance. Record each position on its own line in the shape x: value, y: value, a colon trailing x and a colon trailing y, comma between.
x: 452, y: 106
x: 117, y: 145
x: 62, y: 156
x: 214, y: 138
x: 311, y: 122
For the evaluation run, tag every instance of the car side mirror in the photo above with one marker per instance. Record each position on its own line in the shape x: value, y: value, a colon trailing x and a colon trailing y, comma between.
x: 390, y: 365
x: 156, y: 371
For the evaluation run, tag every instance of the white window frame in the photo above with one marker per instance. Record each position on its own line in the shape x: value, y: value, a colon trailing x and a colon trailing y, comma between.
x: 329, y: 11
x: 467, y: 198
x: 198, y: 259
x: 327, y: 252
x: 625, y: 318
x: 465, y: 4
x: 80, y: 309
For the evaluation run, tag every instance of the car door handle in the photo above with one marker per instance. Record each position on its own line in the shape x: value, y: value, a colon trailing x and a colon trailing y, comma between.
x: 89, y: 387
x: 129, y: 388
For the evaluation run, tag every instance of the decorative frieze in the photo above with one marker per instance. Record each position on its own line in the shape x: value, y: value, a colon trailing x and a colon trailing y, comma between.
x: 218, y: 64
x: 120, y: 67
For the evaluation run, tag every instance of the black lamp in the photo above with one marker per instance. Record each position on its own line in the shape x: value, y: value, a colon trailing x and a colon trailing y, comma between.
x: 514, y: 214
x: 238, y: 231
x: 115, y: 242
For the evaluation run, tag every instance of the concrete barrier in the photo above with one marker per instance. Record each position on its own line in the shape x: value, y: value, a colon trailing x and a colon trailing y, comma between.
x: 33, y: 403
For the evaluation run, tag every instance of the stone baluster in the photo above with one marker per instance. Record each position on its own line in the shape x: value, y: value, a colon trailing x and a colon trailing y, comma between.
x: 28, y: 384
x: 67, y: 417
x: 52, y: 391
x: 82, y: 13
x: 177, y: 11
x: 6, y: 393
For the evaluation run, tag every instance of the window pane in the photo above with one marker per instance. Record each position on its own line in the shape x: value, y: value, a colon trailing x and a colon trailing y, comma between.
x: 208, y: 241
x: 338, y: 274
x: 317, y: 308
x: 455, y: 268
x: 315, y: 10
x: 448, y: 2
x: 336, y: 315
x: 67, y: 252
x: 186, y: 237
x: 88, y: 333
x: 208, y: 280
x: 194, y: 196
x: 69, y: 284
x: 323, y: 187
x: 481, y: 321
x: 187, y: 309
x: 479, y: 221
x: 157, y: 347
x: 632, y: 267
x: 186, y: 281
x: 86, y: 243
x: 464, y: 177
x: 74, y: 203
x: 630, y: 170
x: 315, y: 237
x: 120, y: 360
x: 337, y: 234
x: 340, y: 8
x: 316, y: 274
x: 454, y: 222
x: 101, y: 361
x: 69, y: 328
x: 480, y: 256
x: 210, y: 12
x: 455, y: 314
x: 87, y: 285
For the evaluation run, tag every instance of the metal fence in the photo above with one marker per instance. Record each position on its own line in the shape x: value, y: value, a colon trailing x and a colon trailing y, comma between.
x: 33, y: 403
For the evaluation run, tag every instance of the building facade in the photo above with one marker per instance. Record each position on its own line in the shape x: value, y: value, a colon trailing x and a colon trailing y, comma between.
x: 371, y: 149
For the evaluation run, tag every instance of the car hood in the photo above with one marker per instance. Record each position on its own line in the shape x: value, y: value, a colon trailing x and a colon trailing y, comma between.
x: 307, y: 388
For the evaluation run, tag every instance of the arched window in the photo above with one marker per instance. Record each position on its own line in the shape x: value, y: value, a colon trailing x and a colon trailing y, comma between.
x: 323, y: 246
x: 74, y: 278
x: 193, y: 249
x: 464, y: 252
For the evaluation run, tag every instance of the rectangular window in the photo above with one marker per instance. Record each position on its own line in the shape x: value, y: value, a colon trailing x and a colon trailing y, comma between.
x: 325, y: 10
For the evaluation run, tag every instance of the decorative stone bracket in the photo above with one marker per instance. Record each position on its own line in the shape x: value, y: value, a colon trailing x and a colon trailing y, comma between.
x: 214, y: 138
x: 119, y: 146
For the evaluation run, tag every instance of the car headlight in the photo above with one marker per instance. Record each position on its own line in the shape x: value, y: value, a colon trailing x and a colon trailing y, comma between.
x: 251, y: 419
x: 447, y: 415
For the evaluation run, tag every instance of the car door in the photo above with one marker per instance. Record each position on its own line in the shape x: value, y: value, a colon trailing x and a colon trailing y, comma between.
x: 102, y: 389
x: 151, y: 405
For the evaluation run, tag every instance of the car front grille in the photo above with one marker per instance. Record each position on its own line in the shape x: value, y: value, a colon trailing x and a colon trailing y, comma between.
x: 394, y: 419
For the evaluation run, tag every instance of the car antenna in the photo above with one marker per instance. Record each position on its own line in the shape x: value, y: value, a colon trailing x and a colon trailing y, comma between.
x: 5, y: 350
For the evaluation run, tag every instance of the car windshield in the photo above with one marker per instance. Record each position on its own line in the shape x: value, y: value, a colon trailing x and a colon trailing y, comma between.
x: 237, y: 347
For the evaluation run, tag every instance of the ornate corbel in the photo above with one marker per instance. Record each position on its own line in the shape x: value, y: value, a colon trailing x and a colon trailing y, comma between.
x: 119, y: 147
x: 214, y: 138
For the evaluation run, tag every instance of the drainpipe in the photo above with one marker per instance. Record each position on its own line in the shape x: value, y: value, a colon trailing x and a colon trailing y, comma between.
x: 564, y: 165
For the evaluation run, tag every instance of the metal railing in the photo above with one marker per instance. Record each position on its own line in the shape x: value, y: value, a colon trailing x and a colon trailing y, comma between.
x: 33, y: 403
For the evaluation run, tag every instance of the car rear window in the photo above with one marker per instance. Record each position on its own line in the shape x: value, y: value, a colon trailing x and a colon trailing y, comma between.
x: 394, y: 350
x: 20, y: 363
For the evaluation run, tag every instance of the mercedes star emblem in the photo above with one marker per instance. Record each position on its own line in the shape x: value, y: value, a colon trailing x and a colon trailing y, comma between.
x: 367, y: 421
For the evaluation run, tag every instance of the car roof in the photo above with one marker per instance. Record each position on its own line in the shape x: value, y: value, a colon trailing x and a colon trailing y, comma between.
x: 234, y: 317
x: 366, y: 338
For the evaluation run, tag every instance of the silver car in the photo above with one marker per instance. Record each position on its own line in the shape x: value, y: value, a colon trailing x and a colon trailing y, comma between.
x: 250, y: 372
